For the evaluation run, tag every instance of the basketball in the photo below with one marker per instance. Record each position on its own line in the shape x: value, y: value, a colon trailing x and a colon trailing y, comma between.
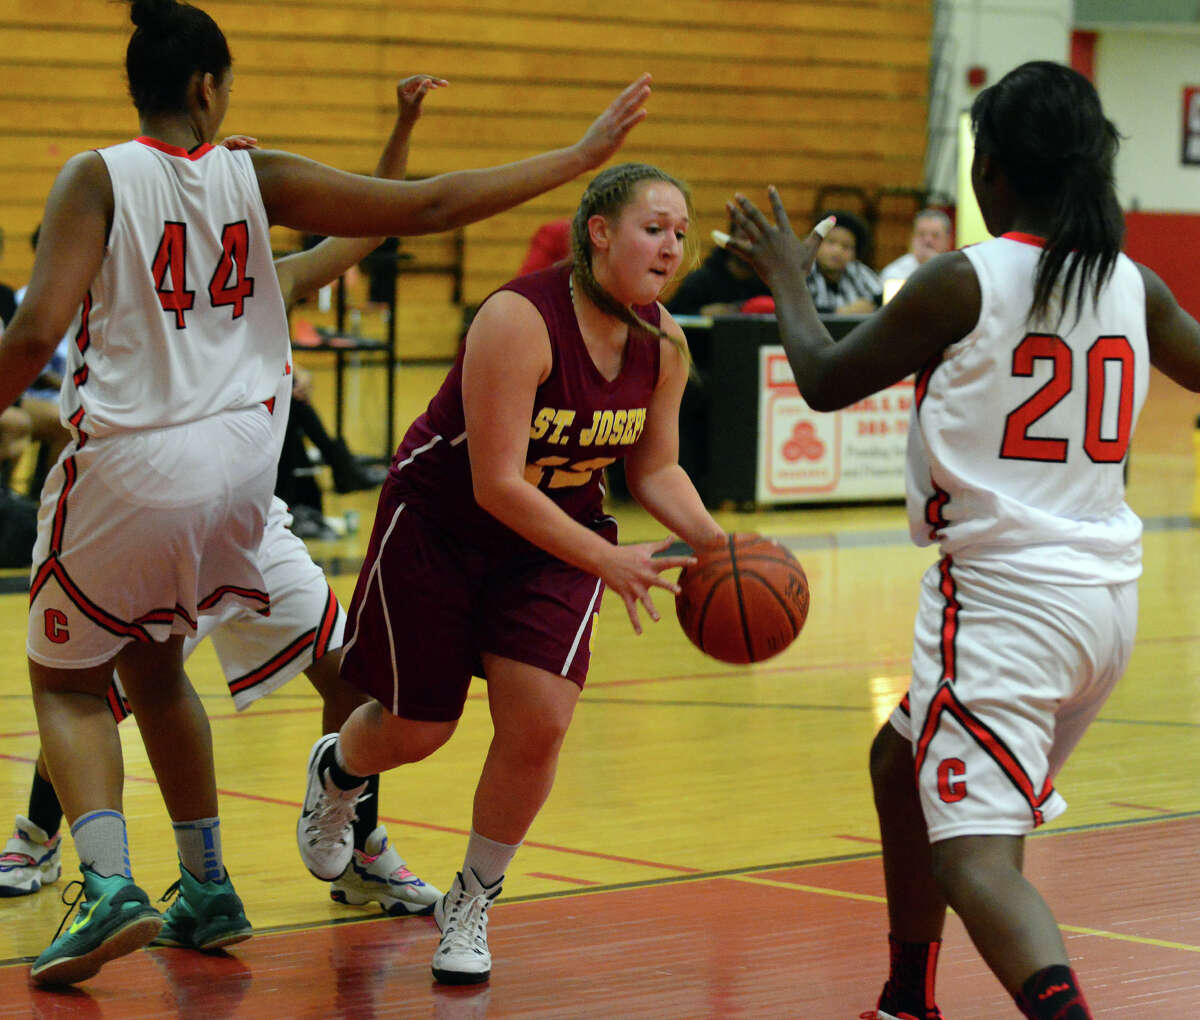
x: 744, y: 600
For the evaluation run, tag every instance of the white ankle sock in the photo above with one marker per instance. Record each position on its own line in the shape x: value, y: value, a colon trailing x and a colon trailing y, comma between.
x: 488, y: 859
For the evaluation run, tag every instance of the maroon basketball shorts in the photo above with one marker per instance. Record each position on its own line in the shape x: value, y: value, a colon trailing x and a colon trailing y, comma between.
x: 426, y: 606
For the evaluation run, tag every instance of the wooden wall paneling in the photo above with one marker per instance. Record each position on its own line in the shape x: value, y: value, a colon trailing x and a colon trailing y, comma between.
x: 799, y: 94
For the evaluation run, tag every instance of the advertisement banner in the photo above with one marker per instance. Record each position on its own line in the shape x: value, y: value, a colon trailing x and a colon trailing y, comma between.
x: 806, y: 456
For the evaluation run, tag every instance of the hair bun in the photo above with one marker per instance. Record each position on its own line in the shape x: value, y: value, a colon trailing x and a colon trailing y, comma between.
x: 148, y: 13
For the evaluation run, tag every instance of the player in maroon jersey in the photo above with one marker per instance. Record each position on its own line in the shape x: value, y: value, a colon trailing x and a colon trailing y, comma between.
x: 491, y: 548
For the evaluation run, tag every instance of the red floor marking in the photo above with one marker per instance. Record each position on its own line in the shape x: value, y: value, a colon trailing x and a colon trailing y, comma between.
x: 858, y: 839
x: 1141, y: 807
x: 561, y: 878
x: 656, y: 950
x: 413, y: 824
x: 725, y: 673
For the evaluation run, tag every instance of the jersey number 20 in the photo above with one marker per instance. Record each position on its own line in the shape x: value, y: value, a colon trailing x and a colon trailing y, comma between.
x: 1018, y: 444
x: 229, y: 284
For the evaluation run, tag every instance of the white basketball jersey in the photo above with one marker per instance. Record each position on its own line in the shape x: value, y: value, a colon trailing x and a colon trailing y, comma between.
x: 1020, y: 430
x: 185, y: 318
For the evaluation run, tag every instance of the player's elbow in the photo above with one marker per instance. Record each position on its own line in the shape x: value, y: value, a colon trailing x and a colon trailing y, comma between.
x: 821, y: 385
x: 820, y: 390
x: 31, y: 337
x: 492, y: 493
x: 821, y: 399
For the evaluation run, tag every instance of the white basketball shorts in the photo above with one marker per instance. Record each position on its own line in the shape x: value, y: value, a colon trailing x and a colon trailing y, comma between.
x: 140, y: 533
x: 1006, y: 678
x: 259, y: 654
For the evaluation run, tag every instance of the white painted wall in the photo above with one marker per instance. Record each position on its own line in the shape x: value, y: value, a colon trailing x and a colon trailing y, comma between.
x: 1140, y: 75
x: 994, y: 34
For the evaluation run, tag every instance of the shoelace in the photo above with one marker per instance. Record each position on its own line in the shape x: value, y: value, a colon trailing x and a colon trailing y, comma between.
x: 171, y: 892
x: 327, y: 823
x: 466, y: 927
x: 74, y: 884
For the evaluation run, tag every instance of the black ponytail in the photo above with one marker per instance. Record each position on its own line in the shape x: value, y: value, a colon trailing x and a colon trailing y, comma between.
x: 1042, y: 123
x: 171, y: 42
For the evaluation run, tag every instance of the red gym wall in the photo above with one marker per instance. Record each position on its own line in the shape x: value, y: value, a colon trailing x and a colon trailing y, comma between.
x: 1167, y: 243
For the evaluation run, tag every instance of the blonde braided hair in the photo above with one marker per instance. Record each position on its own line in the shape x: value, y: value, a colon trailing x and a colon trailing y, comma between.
x: 607, y: 195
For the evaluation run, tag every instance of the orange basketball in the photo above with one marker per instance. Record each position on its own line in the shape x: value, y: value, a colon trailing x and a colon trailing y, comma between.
x: 744, y: 600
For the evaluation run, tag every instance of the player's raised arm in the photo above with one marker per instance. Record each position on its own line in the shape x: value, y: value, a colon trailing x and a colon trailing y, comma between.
x: 305, y: 271
x: 309, y: 196
x: 938, y: 305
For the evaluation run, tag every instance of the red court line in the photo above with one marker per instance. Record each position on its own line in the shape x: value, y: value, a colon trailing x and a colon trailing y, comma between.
x: 714, y: 947
x: 561, y: 878
x: 1142, y: 807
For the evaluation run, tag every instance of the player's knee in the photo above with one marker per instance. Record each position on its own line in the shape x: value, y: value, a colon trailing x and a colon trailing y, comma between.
x: 952, y: 869
x: 413, y: 740
x: 538, y: 744
x: 966, y: 867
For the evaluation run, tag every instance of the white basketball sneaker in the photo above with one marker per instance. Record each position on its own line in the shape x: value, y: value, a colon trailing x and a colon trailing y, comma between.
x: 31, y: 859
x: 325, y: 832
x: 462, y: 957
x: 378, y: 872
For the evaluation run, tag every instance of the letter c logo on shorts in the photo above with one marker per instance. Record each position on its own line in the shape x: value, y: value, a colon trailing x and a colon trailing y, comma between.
x: 56, y: 626
x: 950, y: 787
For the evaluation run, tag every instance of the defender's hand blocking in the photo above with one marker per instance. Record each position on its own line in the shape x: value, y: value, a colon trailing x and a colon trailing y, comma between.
x: 608, y: 131
x: 772, y: 248
x: 412, y: 90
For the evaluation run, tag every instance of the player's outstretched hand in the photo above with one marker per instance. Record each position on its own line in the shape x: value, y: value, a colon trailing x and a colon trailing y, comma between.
x: 773, y: 249
x: 235, y: 142
x: 608, y: 131
x: 632, y: 570
x: 411, y: 91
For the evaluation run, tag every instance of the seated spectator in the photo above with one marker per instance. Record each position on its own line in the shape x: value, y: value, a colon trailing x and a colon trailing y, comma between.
x: 551, y: 243
x: 14, y: 438
x: 40, y: 403
x: 294, y: 484
x: 931, y: 235
x: 838, y: 281
x: 720, y: 285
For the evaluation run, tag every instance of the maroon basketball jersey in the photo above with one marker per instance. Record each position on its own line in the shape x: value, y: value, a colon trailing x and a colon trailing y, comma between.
x: 581, y: 423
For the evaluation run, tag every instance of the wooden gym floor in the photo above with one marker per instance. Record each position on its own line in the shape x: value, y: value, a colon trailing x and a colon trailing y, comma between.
x: 710, y: 848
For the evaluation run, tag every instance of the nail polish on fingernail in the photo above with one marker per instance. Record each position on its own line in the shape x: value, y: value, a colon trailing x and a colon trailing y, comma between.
x: 827, y: 224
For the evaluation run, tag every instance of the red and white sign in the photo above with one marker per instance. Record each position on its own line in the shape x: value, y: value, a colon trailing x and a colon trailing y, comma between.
x: 806, y: 456
x: 1191, y: 125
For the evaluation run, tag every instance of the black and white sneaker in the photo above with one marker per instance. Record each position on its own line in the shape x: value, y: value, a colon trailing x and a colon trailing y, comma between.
x: 325, y: 833
x: 462, y: 957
